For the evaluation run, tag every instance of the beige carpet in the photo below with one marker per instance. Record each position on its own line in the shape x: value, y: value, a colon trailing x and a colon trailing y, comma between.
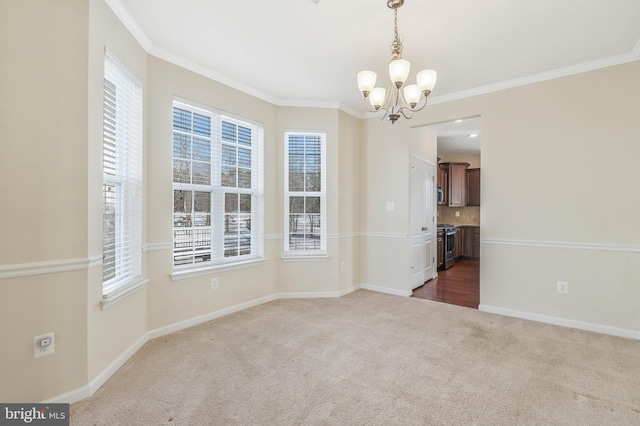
x: 372, y: 359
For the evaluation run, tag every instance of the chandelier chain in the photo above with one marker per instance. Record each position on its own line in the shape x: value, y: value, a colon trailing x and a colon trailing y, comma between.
x: 396, y: 46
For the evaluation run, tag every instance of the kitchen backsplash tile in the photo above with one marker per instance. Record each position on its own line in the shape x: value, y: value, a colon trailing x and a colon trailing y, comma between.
x: 468, y: 215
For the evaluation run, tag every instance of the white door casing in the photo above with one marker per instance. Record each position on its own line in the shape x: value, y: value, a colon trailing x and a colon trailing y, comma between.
x: 423, y: 247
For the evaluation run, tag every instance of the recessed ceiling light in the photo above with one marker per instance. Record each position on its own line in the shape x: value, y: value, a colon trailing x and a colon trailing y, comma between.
x: 458, y: 121
x: 473, y: 135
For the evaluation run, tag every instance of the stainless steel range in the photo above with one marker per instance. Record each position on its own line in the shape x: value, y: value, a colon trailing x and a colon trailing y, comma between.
x: 449, y: 233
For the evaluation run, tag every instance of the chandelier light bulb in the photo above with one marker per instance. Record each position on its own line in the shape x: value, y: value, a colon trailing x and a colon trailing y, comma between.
x: 399, y: 71
x: 412, y: 94
x: 366, y: 81
x: 377, y: 97
x: 426, y: 80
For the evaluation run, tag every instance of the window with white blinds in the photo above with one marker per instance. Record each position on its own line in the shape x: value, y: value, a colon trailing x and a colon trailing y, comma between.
x: 122, y: 178
x: 305, y: 193
x: 217, y: 188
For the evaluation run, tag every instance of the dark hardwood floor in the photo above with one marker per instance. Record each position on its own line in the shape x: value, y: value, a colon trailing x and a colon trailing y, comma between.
x: 458, y: 285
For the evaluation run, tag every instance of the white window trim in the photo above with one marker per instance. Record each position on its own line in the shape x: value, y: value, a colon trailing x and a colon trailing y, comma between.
x: 257, y: 241
x: 114, y: 290
x: 316, y: 255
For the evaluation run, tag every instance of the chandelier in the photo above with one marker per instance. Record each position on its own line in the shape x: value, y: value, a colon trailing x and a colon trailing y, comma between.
x: 395, y: 102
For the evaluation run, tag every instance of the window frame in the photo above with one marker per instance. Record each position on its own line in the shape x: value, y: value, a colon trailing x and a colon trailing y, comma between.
x: 124, y: 148
x: 216, y: 243
x: 321, y: 252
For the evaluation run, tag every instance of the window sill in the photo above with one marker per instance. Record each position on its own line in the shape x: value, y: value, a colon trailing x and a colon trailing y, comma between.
x: 305, y: 258
x: 197, y: 272
x: 121, y: 293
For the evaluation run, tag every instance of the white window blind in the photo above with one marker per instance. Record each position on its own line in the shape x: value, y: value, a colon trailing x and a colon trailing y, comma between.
x: 122, y: 178
x: 305, y: 193
x: 218, y: 188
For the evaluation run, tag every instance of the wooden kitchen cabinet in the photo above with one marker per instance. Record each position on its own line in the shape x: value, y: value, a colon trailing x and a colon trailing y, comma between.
x: 473, y: 187
x: 457, y: 243
x: 440, y: 249
x: 470, y: 242
x: 476, y: 243
x: 456, y: 186
x: 443, y: 183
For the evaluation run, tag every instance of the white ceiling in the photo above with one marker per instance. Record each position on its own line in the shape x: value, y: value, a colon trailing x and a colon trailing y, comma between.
x: 455, y: 137
x: 297, y: 52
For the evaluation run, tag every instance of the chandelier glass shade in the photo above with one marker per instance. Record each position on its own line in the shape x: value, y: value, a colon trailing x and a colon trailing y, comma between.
x: 399, y: 99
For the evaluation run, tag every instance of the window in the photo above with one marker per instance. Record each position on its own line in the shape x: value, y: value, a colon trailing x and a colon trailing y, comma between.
x: 305, y: 198
x: 217, y: 188
x: 122, y: 178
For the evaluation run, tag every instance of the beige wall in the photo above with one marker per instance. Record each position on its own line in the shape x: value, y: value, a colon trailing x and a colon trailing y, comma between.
x: 172, y: 301
x: 473, y: 160
x: 43, y: 182
x: 349, y: 190
x: 558, y: 167
x: 384, y: 177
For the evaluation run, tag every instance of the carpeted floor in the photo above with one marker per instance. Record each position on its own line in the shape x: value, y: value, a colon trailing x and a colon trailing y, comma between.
x: 372, y: 359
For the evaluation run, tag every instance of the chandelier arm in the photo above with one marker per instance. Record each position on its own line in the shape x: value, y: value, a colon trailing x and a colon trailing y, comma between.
x: 417, y: 107
x: 402, y: 111
x: 396, y: 97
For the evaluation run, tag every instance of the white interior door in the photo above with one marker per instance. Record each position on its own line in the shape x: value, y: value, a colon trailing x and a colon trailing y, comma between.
x: 423, y: 244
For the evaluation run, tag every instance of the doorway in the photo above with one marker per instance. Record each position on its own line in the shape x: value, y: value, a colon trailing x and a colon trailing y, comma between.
x: 458, y: 171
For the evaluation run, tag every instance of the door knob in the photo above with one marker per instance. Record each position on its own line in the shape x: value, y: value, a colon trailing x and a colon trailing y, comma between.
x: 424, y: 228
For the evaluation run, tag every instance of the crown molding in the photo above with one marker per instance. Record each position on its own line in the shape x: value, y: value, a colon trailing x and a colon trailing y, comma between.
x: 548, y: 75
x: 123, y: 14
x: 131, y: 24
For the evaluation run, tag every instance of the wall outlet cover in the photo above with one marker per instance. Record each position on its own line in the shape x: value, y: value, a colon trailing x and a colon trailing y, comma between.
x: 563, y: 287
x: 44, y: 345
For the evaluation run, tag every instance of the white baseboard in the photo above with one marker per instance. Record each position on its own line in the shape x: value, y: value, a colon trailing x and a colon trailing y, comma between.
x: 208, y: 317
x: 88, y: 390
x: 581, y: 325
x: 70, y: 397
x: 387, y: 290
x: 317, y: 294
x: 102, y: 378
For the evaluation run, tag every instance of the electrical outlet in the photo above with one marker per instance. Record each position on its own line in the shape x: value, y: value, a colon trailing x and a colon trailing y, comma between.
x: 457, y: 214
x: 391, y: 206
x: 43, y: 345
x: 343, y: 266
x: 214, y: 283
x: 563, y: 287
